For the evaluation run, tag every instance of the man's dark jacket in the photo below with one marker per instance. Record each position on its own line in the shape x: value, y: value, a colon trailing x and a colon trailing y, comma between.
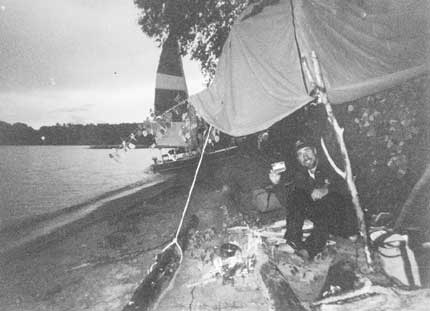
x: 301, y: 180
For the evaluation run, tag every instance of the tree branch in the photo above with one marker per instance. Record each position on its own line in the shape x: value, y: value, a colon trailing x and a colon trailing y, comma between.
x: 330, y: 160
x: 323, y: 98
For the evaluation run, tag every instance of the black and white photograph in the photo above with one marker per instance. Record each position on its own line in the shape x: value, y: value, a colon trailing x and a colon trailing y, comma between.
x: 198, y: 155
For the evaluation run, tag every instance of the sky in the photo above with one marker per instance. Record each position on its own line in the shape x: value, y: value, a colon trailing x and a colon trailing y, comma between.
x: 77, y: 61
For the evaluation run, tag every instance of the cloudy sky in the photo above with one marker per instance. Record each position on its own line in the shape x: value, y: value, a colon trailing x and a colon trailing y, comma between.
x: 77, y: 61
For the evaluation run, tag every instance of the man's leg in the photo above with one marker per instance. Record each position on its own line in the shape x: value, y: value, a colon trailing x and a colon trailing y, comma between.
x: 342, y: 218
x: 332, y: 214
x: 298, y: 202
x: 317, y: 240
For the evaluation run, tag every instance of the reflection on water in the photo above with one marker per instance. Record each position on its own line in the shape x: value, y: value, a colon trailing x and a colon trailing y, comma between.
x: 39, y: 179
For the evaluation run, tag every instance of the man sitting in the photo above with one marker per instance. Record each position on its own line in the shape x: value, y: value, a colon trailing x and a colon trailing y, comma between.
x: 319, y: 195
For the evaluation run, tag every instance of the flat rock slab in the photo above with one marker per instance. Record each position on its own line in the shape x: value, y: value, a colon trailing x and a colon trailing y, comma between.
x: 245, y: 294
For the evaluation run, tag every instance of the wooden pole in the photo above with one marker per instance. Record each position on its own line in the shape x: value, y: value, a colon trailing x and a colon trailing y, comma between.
x: 323, y: 99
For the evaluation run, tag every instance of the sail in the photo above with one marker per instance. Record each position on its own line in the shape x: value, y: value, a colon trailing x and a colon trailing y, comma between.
x: 177, y: 124
x: 170, y: 85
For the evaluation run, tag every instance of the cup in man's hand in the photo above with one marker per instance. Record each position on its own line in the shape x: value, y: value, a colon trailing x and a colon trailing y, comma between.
x: 278, y: 167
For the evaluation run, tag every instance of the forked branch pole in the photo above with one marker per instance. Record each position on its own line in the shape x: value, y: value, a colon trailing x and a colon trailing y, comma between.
x: 331, y: 161
x: 320, y: 91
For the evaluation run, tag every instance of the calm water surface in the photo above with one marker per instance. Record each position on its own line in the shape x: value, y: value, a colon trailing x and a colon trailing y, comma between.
x: 40, y: 179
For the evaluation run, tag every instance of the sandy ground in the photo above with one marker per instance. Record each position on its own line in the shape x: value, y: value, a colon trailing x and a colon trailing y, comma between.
x: 99, y: 265
x: 245, y: 294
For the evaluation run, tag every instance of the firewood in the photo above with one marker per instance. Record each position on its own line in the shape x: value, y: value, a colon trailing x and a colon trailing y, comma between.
x: 281, y: 294
x: 161, y: 274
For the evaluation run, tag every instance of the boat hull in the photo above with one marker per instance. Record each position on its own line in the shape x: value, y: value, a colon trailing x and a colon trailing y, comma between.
x: 187, y: 163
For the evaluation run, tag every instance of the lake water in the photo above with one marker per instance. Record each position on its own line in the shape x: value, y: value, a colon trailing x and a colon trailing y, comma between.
x: 40, y: 179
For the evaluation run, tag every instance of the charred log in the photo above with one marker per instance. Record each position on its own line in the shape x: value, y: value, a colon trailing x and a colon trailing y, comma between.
x: 281, y: 294
x: 157, y: 281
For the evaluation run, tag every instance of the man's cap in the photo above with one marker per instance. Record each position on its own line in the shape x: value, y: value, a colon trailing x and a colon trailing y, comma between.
x: 302, y: 143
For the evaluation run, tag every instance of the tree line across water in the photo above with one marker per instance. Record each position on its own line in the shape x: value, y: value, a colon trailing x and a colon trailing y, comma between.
x: 69, y: 134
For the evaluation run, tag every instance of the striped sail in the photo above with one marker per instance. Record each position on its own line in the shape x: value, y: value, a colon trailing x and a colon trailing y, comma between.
x: 170, y: 86
x: 171, y: 89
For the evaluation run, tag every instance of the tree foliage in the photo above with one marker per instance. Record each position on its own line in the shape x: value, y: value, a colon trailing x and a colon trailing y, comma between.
x: 388, y: 138
x: 388, y: 135
x: 201, y: 26
x: 19, y: 133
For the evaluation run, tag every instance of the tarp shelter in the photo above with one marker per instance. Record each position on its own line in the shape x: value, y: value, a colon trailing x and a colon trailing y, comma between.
x: 363, y: 46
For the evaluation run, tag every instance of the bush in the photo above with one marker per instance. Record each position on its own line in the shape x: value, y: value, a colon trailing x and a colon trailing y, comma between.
x: 388, y: 142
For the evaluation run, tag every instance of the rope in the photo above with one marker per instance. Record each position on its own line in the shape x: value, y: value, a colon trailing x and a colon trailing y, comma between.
x: 175, y: 240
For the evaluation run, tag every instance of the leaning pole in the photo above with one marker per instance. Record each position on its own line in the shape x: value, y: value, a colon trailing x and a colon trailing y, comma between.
x: 317, y: 86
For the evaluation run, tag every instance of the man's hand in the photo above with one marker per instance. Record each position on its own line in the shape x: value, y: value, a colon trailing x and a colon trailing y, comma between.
x: 274, y: 177
x: 319, y: 193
